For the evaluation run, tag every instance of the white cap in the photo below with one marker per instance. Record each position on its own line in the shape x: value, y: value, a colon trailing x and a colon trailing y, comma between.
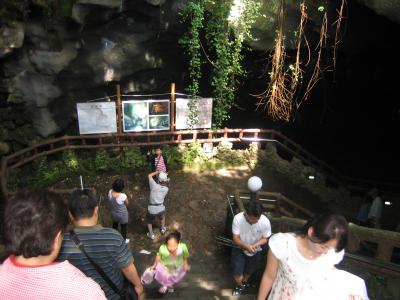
x: 163, y: 177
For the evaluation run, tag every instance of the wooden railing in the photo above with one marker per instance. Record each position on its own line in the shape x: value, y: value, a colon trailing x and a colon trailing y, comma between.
x: 293, y: 217
x: 379, y: 264
x: 262, y: 136
x: 276, y: 203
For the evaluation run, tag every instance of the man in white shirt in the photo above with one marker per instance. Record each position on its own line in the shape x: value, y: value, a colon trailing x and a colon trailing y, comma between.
x: 251, y: 231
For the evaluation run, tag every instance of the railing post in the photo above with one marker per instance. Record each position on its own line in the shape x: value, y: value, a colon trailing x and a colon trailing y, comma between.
x: 172, y: 106
x: 278, y: 206
x: 384, y: 251
x: 3, y: 177
x: 225, y: 133
x: 119, y: 109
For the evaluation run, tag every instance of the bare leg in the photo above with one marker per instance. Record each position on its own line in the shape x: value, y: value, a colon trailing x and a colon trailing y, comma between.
x: 150, y: 228
x: 245, y: 278
x: 238, y: 279
x: 162, y: 221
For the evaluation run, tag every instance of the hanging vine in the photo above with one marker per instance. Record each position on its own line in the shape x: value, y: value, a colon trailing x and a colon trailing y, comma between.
x: 282, y: 94
x: 224, y: 35
x: 194, y: 13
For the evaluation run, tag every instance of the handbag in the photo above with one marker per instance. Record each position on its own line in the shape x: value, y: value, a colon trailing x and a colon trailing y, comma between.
x: 148, y: 276
x: 128, y: 292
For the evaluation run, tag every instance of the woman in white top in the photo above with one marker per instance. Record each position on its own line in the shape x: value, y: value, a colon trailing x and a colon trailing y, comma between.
x: 300, y: 266
x: 118, y: 203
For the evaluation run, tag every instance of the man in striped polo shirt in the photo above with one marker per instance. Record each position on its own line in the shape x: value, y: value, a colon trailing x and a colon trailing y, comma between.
x: 105, y: 246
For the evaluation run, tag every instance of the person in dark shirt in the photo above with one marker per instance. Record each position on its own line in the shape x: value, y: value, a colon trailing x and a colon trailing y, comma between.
x: 105, y: 246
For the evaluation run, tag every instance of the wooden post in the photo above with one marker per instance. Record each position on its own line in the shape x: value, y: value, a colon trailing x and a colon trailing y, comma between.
x: 119, y: 109
x: 172, y: 107
x: 3, y: 177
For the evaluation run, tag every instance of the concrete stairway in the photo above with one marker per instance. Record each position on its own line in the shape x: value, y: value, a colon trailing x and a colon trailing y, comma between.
x: 209, y: 279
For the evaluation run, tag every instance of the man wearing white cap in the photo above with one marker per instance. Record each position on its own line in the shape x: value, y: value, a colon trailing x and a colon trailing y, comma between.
x: 156, y: 208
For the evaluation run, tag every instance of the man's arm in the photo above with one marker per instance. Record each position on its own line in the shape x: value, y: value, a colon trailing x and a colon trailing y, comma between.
x: 261, y: 242
x: 237, y: 241
x: 153, y: 174
x: 131, y: 274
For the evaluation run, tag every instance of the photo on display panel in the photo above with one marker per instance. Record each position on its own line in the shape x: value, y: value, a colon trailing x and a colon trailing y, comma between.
x: 158, y: 108
x: 135, y: 115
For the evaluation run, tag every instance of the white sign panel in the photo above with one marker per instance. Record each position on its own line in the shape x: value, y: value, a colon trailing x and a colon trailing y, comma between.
x: 145, y: 115
x: 204, y: 117
x: 99, y: 117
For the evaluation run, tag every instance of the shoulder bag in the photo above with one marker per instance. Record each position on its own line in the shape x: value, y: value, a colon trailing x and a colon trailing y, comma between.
x: 128, y: 293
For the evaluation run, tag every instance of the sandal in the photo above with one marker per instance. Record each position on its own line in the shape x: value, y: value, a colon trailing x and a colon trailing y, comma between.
x: 163, y: 289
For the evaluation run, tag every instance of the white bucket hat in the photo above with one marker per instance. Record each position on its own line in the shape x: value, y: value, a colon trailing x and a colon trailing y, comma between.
x: 163, y: 177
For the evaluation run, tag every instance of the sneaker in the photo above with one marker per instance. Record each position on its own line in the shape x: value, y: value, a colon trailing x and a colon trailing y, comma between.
x: 171, y: 290
x: 246, y: 285
x: 163, y: 230
x: 238, y: 290
x: 163, y: 289
x: 151, y: 236
x: 127, y: 241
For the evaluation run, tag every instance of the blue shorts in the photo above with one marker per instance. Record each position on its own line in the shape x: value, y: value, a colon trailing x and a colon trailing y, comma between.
x: 243, y: 264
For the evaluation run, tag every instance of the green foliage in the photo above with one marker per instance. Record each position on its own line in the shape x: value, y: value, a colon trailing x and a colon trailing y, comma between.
x: 193, y: 155
x: 43, y: 173
x: 228, y: 157
x: 133, y: 159
x: 71, y: 161
x: 225, y: 36
x: 101, y: 161
x: 194, y: 13
x: 174, y: 156
x: 46, y: 173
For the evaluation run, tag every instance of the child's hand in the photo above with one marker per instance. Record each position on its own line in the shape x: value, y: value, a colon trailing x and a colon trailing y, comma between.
x: 186, y: 267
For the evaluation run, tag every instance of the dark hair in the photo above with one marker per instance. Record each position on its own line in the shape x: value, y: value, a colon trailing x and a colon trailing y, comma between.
x: 253, y: 208
x: 82, y: 203
x: 328, y: 227
x: 118, y: 185
x: 173, y: 235
x: 32, y: 219
x: 158, y: 147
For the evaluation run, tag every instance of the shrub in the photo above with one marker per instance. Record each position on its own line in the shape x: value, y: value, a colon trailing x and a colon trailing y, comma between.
x: 174, y: 156
x: 193, y: 155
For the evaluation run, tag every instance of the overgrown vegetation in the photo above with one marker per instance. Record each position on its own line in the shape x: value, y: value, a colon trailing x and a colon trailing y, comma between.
x: 46, y: 172
x: 217, y: 34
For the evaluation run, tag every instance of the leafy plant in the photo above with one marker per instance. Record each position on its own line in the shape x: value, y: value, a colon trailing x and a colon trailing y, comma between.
x: 174, y: 156
x: 133, y: 159
x: 194, y: 12
x: 225, y: 37
x: 193, y: 155
x: 71, y: 161
x: 101, y: 161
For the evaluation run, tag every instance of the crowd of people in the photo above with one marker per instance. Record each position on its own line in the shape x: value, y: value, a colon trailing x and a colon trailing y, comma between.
x: 60, y: 251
